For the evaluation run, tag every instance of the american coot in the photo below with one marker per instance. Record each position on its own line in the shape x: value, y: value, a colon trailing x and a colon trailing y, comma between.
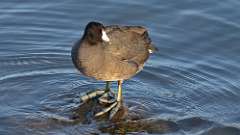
x: 111, y: 53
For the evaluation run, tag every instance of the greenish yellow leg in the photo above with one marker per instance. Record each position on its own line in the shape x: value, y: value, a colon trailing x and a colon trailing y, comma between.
x: 119, y: 97
x: 119, y: 100
x: 107, y: 86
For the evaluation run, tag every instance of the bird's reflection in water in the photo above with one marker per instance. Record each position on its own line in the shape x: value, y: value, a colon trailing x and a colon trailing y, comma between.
x: 85, y: 112
x: 143, y: 125
x: 126, y: 120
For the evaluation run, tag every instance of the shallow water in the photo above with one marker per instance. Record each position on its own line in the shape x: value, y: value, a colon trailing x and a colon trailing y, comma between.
x: 191, y: 86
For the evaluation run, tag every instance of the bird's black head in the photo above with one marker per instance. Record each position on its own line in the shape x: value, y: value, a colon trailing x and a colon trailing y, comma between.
x: 94, y: 33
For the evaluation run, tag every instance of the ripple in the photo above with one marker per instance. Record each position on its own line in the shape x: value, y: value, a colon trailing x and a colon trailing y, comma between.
x: 24, y: 62
x: 36, y: 73
x: 211, y: 17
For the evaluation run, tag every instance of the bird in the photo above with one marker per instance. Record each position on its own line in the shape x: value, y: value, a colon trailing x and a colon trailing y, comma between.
x: 111, y: 53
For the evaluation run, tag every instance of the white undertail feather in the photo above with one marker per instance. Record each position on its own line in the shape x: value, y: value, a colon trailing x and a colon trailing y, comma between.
x: 150, y: 51
x: 104, y: 36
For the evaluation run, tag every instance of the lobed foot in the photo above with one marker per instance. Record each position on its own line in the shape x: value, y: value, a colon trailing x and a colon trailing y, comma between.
x: 106, y: 97
x: 103, y: 97
x: 113, y: 109
x: 91, y: 95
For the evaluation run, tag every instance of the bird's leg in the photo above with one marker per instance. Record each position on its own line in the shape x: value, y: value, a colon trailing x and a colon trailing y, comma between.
x: 107, y: 85
x: 115, y: 106
x: 119, y: 97
x: 108, y: 97
x: 119, y: 100
x: 97, y: 93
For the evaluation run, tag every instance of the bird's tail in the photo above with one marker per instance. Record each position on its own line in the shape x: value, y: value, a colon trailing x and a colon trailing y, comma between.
x: 152, y: 48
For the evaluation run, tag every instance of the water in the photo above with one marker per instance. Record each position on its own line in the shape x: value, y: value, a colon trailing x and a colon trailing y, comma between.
x: 191, y: 86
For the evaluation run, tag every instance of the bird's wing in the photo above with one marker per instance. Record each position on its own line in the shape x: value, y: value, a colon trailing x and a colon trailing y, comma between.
x: 128, y: 42
x: 142, y: 31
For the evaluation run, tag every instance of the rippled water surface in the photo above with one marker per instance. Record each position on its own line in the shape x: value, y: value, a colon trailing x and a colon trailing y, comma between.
x: 190, y: 86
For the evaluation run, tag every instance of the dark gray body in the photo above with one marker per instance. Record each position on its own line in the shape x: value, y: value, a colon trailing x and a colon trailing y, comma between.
x: 119, y: 59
